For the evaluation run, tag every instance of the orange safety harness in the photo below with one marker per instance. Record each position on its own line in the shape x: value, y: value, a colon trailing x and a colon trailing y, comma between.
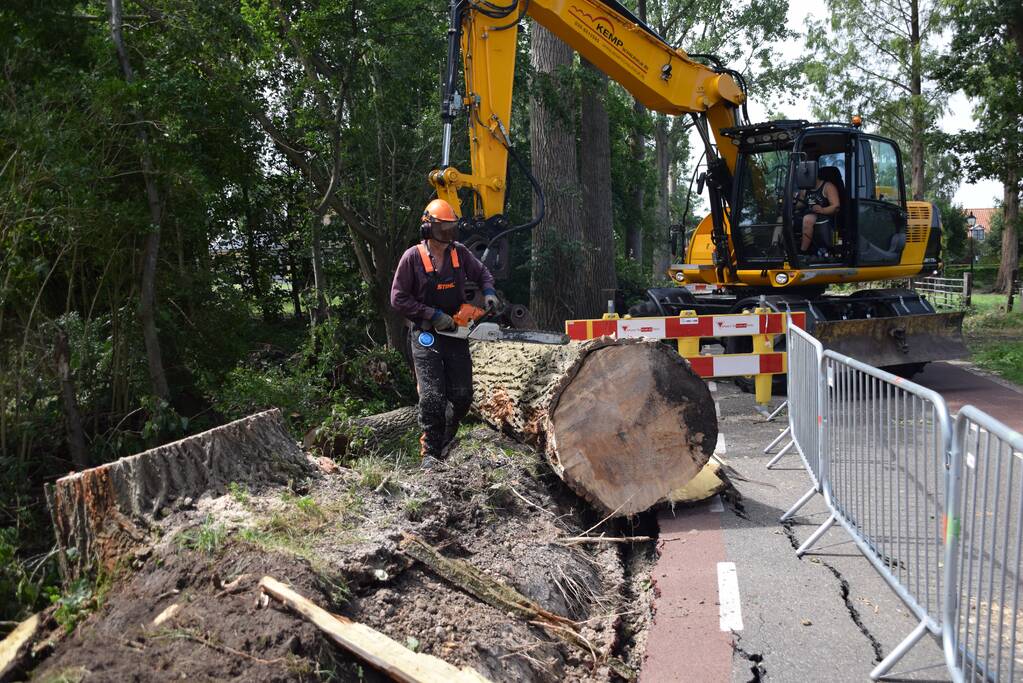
x: 424, y: 254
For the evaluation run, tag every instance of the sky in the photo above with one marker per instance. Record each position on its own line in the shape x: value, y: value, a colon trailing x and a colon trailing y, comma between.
x: 957, y: 118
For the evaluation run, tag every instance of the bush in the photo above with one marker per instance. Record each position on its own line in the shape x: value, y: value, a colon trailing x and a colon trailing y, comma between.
x: 299, y: 393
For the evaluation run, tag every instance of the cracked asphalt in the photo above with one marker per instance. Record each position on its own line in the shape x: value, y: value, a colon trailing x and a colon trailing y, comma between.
x: 826, y: 617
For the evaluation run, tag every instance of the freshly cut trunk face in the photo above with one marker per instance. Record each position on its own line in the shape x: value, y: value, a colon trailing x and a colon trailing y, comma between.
x: 632, y: 428
x: 622, y: 422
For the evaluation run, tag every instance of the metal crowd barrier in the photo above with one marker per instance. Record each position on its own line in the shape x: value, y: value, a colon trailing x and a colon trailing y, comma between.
x: 805, y: 356
x: 876, y: 446
x: 983, y: 638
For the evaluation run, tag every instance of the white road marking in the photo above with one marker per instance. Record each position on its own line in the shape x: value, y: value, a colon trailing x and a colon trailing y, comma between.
x: 719, y: 447
x: 713, y: 386
x: 717, y: 409
x: 728, y: 597
x: 716, y: 505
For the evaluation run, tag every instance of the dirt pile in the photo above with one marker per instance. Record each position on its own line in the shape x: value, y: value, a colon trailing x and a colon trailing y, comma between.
x: 337, y: 540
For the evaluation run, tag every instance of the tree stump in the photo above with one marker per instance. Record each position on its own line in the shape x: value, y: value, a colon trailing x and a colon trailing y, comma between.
x: 102, y: 513
x: 622, y: 422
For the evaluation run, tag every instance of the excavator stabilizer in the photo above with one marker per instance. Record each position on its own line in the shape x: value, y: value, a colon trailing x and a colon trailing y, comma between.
x: 902, y: 340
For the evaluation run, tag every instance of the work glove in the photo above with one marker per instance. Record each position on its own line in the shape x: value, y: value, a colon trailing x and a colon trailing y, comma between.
x: 442, y: 321
x: 490, y: 302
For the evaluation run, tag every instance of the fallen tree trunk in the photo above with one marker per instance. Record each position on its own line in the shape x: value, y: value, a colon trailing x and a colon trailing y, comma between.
x: 622, y: 422
x: 103, y: 512
x: 378, y: 433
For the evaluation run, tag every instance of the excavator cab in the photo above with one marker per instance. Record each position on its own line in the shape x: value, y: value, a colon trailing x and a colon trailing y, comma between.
x: 780, y: 161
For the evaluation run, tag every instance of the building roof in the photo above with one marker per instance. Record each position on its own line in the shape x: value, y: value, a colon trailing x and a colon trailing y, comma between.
x: 984, y: 217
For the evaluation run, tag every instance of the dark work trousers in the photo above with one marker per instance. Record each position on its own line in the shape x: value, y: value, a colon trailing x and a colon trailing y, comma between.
x: 443, y: 375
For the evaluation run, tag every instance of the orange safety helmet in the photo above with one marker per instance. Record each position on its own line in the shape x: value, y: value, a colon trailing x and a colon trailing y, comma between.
x: 439, y: 210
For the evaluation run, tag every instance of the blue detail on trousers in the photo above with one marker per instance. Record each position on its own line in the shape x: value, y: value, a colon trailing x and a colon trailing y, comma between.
x: 443, y: 375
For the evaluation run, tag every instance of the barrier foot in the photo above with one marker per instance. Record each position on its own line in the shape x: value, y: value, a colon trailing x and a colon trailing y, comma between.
x: 899, y: 652
x: 799, y: 503
x: 815, y: 536
x: 783, y: 406
x: 788, y: 430
x: 781, y: 454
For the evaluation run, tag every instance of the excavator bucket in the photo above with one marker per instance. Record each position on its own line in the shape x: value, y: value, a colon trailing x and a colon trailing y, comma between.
x: 884, y: 342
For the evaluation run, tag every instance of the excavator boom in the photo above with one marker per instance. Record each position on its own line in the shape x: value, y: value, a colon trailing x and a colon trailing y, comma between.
x: 663, y: 78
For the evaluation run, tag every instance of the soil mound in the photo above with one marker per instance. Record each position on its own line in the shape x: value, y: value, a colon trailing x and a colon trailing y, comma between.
x: 336, y: 539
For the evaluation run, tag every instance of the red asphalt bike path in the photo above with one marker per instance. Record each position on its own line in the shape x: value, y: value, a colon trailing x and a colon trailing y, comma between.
x: 959, y: 387
x: 685, y: 642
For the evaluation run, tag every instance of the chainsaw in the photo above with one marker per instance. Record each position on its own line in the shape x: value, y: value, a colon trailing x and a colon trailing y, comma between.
x: 472, y: 323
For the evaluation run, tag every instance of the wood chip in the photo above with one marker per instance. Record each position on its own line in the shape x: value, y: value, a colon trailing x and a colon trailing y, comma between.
x: 167, y: 614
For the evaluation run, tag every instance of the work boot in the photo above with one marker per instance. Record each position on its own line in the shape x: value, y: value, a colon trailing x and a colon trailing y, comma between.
x: 430, y: 463
x: 429, y: 451
x: 450, y: 439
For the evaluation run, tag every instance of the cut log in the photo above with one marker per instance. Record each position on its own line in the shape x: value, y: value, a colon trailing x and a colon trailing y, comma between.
x: 370, y: 645
x: 103, y: 513
x: 622, y: 422
x: 16, y: 649
x: 379, y: 433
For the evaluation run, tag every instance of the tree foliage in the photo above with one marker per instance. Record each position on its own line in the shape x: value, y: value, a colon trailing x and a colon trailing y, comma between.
x: 985, y: 61
x: 872, y: 58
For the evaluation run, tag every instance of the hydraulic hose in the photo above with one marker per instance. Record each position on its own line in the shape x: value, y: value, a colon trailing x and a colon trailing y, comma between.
x: 539, y: 198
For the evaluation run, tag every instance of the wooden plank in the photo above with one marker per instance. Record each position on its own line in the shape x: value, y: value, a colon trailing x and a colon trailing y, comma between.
x: 370, y: 645
x: 14, y: 649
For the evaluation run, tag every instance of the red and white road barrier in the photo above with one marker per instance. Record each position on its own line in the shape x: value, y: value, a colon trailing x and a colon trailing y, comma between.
x: 683, y: 326
x: 688, y: 329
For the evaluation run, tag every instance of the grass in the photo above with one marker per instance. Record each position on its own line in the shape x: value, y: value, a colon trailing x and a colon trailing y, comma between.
x: 995, y: 338
x: 207, y: 539
x: 294, y: 528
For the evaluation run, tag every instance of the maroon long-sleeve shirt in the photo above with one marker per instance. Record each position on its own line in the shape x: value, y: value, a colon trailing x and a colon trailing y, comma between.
x: 408, y: 289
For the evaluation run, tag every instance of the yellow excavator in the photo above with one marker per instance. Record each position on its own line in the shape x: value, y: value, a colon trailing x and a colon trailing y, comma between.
x: 748, y: 248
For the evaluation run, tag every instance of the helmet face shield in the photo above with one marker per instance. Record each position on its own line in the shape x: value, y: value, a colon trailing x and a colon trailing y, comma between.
x: 443, y: 231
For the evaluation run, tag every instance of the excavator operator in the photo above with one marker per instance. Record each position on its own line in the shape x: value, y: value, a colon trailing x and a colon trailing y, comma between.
x: 428, y: 289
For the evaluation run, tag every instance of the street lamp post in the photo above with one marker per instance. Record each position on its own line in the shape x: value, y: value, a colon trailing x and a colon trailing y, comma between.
x: 971, y: 221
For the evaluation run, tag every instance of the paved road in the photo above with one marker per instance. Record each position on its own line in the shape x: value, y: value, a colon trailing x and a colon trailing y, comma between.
x: 959, y: 386
x: 828, y: 616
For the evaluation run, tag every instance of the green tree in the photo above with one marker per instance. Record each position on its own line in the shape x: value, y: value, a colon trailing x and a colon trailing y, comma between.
x: 743, y: 37
x: 954, y: 231
x: 871, y: 58
x: 985, y: 61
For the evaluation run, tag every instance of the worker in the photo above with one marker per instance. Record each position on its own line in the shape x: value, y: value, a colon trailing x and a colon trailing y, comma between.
x: 821, y: 204
x: 428, y: 289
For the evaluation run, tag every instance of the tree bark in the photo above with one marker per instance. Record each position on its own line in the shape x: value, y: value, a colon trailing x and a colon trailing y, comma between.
x: 917, y: 105
x: 151, y: 247
x: 319, y: 277
x: 623, y: 423
x: 634, y: 230
x: 662, y: 242
x: 259, y: 292
x: 69, y: 402
x: 104, y: 513
x: 1009, y: 261
x: 375, y: 433
x: 595, y: 177
x: 555, y: 290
